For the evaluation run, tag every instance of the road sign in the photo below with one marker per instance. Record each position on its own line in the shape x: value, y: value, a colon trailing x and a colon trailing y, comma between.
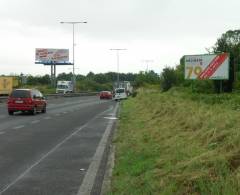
x: 212, y: 66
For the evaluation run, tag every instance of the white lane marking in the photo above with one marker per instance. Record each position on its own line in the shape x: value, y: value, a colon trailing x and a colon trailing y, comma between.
x: 2, y: 132
x: 47, y: 117
x: 89, y: 178
x: 36, y: 121
x: 111, y: 118
x: 57, y: 114
x: 18, y: 127
x: 49, y: 153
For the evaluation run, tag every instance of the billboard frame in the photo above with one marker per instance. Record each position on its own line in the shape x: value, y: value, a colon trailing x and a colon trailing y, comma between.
x: 48, y: 58
x: 216, y: 79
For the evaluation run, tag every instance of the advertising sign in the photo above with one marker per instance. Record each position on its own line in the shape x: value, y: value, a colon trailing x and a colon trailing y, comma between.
x: 212, y: 66
x: 51, y: 55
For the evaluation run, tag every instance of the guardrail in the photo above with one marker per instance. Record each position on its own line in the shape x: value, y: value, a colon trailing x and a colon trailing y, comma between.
x: 58, y: 95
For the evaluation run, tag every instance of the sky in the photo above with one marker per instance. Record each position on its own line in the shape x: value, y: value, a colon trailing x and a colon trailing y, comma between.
x: 155, y: 33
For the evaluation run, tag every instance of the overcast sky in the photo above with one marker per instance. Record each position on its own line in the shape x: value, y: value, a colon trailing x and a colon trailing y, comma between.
x: 158, y: 30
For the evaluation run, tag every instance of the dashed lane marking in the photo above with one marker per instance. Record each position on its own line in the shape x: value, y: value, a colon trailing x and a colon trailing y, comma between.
x: 47, y: 117
x: 36, y: 121
x: 18, y: 127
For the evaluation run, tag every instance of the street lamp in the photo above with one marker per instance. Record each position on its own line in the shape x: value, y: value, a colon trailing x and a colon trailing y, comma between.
x: 147, y: 62
x: 117, y: 51
x: 73, y: 25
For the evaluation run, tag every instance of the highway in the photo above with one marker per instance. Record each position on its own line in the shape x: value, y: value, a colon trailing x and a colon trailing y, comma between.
x: 57, y: 153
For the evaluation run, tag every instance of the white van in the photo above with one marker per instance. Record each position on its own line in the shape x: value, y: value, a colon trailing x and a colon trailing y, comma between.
x: 120, y: 93
x: 64, y: 87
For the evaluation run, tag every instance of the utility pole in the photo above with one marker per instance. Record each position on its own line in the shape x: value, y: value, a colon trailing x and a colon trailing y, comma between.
x: 147, y: 63
x: 117, y: 52
x: 73, y: 29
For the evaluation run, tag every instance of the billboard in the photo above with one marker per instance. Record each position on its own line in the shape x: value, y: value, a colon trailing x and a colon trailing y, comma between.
x: 45, y: 55
x: 210, y: 66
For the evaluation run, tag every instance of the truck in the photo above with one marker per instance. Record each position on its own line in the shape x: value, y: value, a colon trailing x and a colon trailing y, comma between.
x: 64, y: 87
x: 126, y: 85
x: 7, y: 84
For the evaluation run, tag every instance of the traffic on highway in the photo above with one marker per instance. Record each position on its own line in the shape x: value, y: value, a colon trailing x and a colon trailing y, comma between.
x: 58, y: 148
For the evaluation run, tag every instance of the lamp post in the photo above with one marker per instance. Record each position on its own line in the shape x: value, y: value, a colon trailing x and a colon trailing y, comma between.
x: 117, y: 51
x: 147, y: 62
x: 73, y: 28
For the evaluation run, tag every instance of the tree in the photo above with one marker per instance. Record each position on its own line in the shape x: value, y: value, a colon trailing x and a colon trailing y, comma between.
x: 64, y: 77
x: 229, y: 42
x: 168, y: 78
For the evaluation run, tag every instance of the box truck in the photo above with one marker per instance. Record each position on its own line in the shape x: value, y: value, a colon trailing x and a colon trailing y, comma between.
x: 64, y: 87
x: 7, y: 84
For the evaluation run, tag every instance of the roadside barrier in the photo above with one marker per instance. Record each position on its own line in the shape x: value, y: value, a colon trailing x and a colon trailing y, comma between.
x: 57, y: 95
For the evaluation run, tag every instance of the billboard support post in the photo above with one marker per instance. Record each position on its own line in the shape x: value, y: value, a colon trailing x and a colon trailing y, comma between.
x: 53, y: 75
x: 221, y: 86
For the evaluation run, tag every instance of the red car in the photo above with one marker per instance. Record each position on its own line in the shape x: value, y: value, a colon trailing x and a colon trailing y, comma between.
x: 105, y: 95
x: 30, y: 100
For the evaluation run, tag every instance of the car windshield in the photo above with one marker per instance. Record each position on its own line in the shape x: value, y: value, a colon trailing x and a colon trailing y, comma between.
x: 120, y: 90
x: 62, y: 86
x: 20, y: 94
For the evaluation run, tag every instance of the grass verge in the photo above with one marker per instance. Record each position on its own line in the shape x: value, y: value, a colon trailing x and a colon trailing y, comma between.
x: 178, y: 143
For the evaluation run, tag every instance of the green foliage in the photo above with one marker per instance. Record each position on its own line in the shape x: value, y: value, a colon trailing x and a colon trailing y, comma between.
x: 230, y: 42
x: 45, y: 89
x: 178, y: 143
x: 205, y: 86
x: 90, y: 85
x: 168, y: 78
x: 64, y: 76
x: 39, y: 80
x: 149, y: 77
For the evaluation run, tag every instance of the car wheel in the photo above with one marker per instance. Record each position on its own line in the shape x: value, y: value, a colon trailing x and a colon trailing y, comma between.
x: 44, y: 110
x: 10, y: 112
x: 34, y: 111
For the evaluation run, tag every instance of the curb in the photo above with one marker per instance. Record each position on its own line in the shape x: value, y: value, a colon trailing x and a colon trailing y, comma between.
x: 107, y: 179
x: 89, y: 179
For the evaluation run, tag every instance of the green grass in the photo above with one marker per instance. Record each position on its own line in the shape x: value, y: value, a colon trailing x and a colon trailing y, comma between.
x: 178, y: 143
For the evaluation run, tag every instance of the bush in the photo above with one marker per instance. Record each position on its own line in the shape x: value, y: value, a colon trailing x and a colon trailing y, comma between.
x: 168, y: 78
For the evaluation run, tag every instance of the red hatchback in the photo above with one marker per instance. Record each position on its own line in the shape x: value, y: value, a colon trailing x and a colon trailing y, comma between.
x: 23, y: 100
x: 105, y: 95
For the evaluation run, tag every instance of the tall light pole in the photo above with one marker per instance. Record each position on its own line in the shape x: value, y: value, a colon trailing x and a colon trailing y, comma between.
x: 117, y: 51
x: 73, y: 25
x: 147, y: 62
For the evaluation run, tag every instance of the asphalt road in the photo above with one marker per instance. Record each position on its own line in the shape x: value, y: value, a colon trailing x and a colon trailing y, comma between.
x: 56, y: 153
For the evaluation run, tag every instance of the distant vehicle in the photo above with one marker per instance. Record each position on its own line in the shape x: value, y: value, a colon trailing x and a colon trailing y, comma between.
x: 126, y: 85
x: 64, y: 87
x: 30, y: 100
x: 7, y: 83
x: 120, y: 94
x: 105, y: 95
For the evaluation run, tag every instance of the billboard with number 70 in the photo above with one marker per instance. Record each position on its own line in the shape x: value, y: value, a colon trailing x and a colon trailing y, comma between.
x: 212, y: 66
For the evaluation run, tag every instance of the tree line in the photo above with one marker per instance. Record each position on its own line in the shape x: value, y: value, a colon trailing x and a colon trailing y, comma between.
x: 98, y: 82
